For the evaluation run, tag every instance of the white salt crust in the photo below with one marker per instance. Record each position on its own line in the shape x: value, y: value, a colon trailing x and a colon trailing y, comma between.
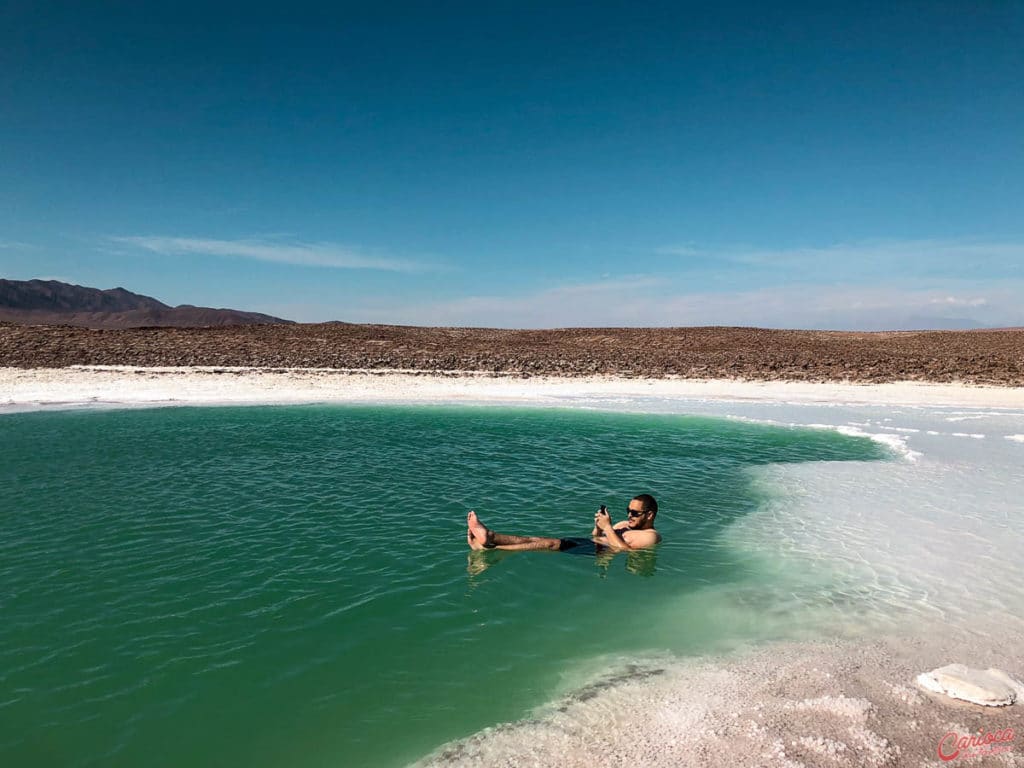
x: 77, y: 385
x: 987, y: 688
x: 796, y: 705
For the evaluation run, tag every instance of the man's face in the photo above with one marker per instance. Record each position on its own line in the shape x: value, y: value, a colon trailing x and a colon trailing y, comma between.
x: 638, y: 518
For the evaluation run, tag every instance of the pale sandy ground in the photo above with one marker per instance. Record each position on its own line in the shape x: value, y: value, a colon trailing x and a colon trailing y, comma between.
x: 820, y: 705
x: 794, y: 704
x: 20, y: 388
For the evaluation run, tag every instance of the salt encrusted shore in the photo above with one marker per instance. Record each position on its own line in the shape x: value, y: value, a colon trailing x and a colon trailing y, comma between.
x: 31, y: 388
x: 784, y: 705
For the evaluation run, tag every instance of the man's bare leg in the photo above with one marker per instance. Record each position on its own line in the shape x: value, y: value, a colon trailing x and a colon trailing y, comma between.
x: 488, y: 539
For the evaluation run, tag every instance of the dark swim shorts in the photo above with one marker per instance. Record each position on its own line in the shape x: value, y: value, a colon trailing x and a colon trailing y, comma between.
x: 579, y: 543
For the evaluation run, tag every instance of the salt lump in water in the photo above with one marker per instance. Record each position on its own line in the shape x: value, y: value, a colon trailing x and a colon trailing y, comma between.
x: 989, y: 688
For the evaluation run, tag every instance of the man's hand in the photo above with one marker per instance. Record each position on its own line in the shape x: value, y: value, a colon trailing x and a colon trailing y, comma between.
x: 602, y: 520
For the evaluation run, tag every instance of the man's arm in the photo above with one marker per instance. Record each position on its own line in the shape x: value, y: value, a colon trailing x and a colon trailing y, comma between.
x: 629, y: 539
x: 602, y: 521
x: 613, y: 539
x: 597, y: 533
x: 641, y: 539
x: 623, y: 539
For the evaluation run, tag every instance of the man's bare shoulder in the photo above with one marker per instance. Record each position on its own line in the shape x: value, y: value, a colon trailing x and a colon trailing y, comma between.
x: 640, y: 539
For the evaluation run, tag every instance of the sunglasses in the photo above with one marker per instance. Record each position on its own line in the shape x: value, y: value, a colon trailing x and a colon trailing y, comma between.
x: 636, y: 512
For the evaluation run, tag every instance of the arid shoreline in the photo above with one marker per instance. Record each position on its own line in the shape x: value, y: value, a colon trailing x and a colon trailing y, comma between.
x: 989, y: 357
x: 29, y: 389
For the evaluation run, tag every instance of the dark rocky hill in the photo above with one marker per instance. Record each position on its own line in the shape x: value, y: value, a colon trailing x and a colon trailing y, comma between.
x: 51, y: 302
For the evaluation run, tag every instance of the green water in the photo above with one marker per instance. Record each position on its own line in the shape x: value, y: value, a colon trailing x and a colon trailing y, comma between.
x: 291, y: 585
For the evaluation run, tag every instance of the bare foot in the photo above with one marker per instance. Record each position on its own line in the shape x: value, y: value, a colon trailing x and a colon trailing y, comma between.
x: 473, y: 543
x: 478, y: 529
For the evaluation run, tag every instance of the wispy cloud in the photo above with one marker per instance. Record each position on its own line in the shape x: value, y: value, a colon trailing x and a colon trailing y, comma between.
x: 847, y: 307
x: 864, y: 258
x: 678, y: 250
x: 331, y: 255
x: 956, y: 301
x: 645, y: 301
x: 868, y: 285
x: 615, y: 301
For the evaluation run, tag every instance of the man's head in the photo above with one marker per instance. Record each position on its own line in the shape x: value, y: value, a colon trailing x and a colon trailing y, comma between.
x: 642, y: 511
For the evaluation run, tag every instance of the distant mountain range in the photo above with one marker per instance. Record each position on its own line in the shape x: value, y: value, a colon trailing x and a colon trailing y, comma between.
x: 51, y: 302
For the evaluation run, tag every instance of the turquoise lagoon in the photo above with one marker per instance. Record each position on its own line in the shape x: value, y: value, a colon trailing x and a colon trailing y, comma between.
x: 268, y: 586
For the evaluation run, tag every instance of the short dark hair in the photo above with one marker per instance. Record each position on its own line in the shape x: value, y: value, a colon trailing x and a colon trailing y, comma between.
x: 650, y: 505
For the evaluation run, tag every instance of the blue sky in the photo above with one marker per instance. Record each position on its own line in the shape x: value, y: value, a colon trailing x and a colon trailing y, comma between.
x: 853, y: 165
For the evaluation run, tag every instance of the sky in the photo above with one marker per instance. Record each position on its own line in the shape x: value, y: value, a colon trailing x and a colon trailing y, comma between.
x: 807, y: 165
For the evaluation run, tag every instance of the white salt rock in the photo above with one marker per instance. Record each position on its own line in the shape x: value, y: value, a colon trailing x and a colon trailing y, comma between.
x: 989, y: 688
